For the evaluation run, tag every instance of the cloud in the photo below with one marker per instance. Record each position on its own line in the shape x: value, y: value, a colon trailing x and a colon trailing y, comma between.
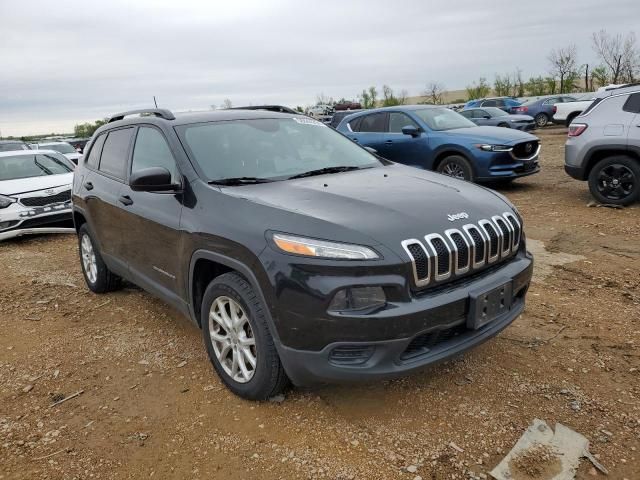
x: 68, y: 62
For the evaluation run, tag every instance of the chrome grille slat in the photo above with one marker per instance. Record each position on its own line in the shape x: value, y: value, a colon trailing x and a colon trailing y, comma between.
x: 442, y: 264
x: 462, y: 250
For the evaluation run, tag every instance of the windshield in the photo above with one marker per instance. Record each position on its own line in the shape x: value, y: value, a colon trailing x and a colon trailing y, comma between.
x: 59, y: 147
x: 11, y: 147
x: 36, y: 165
x: 443, y: 119
x: 270, y: 148
x: 495, y: 112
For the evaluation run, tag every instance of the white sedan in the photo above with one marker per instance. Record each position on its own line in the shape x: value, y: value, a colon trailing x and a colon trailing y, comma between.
x: 35, y: 193
x: 62, y: 147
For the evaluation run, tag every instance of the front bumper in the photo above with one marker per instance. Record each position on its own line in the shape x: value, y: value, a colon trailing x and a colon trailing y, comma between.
x: 27, y: 221
x: 410, y: 335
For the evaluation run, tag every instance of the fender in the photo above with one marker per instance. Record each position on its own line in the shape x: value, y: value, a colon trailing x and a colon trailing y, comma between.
x: 612, y: 149
x: 449, y: 149
x: 245, y: 271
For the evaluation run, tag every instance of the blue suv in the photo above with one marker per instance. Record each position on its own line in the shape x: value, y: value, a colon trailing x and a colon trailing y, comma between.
x: 437, y: 138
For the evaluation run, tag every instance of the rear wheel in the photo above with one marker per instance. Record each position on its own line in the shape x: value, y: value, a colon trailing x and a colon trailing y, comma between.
x: 615, y: 180
x: 541, y: 120
x: 456, y: 166
x: 97, y: 275
x: 238, y: 340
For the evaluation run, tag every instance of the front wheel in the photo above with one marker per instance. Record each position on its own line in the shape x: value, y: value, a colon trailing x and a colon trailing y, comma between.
x: 541, y: 120
x: 238, y: 340
x: 615, y: 180
x: 456, y: 166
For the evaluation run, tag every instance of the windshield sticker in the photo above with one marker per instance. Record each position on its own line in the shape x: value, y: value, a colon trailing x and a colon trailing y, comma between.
x: 309, y: 121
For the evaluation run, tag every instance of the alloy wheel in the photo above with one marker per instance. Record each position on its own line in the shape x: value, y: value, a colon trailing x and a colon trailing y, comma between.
x: 541, y: 120
x: 232, y: 338
x: 88, y: 259
x: 616, y: 181
x: 454, y: 170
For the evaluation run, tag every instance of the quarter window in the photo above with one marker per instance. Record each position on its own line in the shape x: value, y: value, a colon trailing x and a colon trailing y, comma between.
x: 632, y: 104
x: 94, y: 155
x: 114, y: 153
x: 397, y: 121
x: 373, y: 123
x: 151, y: 150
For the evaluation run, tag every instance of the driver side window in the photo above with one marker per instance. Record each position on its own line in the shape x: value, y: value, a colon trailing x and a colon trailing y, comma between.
x: 151, y: 150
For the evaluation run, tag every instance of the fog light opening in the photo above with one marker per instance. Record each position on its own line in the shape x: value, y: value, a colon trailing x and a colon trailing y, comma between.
x: 358, y: 299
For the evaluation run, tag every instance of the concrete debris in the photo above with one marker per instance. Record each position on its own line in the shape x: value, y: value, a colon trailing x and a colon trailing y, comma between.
x: 542, y: 453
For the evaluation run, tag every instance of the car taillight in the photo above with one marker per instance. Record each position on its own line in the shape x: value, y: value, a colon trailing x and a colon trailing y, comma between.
x: 576, y: 129
x: 554, y: 109
x: 524, y: 109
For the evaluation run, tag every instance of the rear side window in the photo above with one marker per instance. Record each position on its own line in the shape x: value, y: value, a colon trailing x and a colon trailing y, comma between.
x: 94, y: 155
x: 354, y: 124
x: 632, y: 104
x: 467, y: 113
x: 373, y: 123
x: 151, y: 150
x: 397, y: 121
x: 114, y: 153
x: 490, y: 103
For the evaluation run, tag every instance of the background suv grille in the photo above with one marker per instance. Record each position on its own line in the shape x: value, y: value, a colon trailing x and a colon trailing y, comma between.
x: 463, y: 251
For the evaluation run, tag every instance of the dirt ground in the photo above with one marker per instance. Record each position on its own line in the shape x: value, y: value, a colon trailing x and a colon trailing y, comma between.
x: 152, y: 407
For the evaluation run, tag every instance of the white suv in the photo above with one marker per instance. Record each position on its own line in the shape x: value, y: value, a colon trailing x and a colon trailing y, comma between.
x: 604, y: 145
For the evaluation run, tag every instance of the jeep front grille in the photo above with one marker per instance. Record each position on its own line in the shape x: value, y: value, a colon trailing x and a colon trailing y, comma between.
x: 460, y: 251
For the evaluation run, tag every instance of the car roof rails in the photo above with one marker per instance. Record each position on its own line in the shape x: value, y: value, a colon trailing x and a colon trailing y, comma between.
x: 158, y: 112
x: 269, y: 108
x: 633, y: 84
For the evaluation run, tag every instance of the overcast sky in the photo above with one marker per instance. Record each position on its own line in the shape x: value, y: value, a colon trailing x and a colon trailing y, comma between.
x: 64, y: 62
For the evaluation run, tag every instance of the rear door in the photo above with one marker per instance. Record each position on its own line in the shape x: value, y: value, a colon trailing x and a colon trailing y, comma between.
x: 632, y: 105
x: 479, y: 117
x: 152, y: 220
x: 399, y: 147
x: 103, y: 183
x: 371, y: 130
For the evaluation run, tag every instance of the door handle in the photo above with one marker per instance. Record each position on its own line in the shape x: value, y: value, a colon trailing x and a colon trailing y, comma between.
x: 125, y: 200
x: 354, y: 139
x: 389, y: 142
x: 88, y: 185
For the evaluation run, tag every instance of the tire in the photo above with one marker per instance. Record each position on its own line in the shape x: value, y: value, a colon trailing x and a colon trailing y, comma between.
x: 456, y: 166
x: 98, y: 277
x: 615, y: 180
x: 249, y: 340
x: 542, y: 120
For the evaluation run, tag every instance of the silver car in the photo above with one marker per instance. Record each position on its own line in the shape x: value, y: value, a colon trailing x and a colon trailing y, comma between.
x: 496, y: 117
x: 604, y: 145
x: 35, y: 193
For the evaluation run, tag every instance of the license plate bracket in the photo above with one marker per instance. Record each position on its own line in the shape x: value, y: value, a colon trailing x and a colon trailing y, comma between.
x: 488, y: 304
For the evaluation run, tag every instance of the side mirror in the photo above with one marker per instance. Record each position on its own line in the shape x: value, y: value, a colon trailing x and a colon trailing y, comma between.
x: 411, y: 130
x: 371, y: 150
x: 154, y: 179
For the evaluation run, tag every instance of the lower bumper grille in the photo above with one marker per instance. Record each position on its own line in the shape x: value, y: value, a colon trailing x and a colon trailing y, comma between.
x: 43, y: 201
x: 346, y: 355
x: 425, y: 342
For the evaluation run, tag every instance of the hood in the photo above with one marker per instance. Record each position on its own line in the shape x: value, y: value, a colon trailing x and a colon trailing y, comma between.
x: 32, y: 184
x: 385, y: 205
x: 492, y: 135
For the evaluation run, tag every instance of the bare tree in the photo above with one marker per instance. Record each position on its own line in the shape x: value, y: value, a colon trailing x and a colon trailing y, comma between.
x: 563, y: 64
x: 502, y: 85
x: 434, y: 93
x: 369, y: 97
x: 227, y: 103
x: 599, y: 76
x: 619, y: 53
x: 322, y: 99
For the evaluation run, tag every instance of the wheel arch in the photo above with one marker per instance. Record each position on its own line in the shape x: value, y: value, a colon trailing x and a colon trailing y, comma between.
x: 447, y: 152
x: 594, y: 155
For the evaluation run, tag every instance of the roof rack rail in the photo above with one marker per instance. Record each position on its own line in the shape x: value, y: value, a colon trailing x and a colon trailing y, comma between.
x: 633, y: 84
x: 158, y: 112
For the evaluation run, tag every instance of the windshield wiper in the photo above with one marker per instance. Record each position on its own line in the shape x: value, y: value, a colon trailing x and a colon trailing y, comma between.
x: 240, y: 181
x: 322, y: 171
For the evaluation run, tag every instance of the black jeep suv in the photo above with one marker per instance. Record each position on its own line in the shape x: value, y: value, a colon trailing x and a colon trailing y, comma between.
x: 299, y: 254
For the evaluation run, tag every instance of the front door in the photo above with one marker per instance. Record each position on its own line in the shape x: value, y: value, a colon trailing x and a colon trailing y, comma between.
x: 402, y: 148
x: 152, y: 225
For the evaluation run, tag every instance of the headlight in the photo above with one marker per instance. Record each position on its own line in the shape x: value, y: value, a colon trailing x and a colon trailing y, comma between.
x: 358, y: 298
x: 311, y: 247
x: 494, y: 148
x: 6, y: 201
